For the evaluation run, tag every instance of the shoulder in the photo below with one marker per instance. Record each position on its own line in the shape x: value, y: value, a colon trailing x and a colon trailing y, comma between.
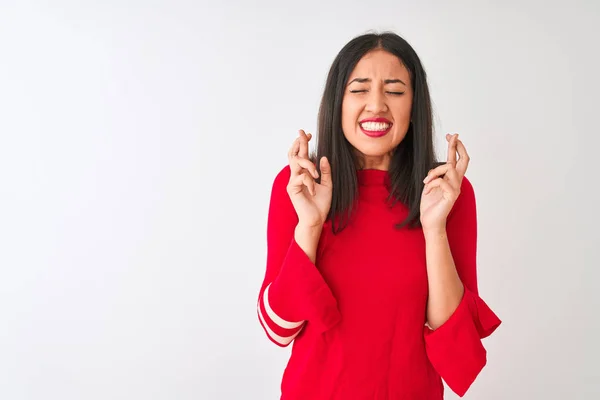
x: 465, y: 203
x: 281, y: 179
x: 280, y: 204
x: 283, y: 174
x: 466, y: 188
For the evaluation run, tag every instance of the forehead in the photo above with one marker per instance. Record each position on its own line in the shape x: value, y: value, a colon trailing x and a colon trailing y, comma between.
x: 380, y: 64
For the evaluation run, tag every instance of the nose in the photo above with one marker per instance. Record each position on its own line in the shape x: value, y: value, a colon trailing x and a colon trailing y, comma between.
x: 376, y: 102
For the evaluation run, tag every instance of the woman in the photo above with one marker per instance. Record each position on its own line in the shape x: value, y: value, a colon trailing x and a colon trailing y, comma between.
x: 371, y: 265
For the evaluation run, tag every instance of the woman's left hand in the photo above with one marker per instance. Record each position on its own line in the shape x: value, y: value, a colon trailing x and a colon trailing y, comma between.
x: 442, y: 187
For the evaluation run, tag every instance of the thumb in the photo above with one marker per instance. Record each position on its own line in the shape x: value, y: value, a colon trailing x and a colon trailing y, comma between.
x: 326, y: 172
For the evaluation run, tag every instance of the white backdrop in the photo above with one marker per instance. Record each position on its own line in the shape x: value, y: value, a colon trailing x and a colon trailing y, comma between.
x: 139, y: 141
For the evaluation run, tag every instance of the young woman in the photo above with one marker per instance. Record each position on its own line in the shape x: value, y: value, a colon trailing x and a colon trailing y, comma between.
x: 371, y: 265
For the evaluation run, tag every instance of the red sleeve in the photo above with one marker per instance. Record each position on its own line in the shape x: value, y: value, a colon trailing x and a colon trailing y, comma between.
x: 455, y: 349
x: 293, y: 291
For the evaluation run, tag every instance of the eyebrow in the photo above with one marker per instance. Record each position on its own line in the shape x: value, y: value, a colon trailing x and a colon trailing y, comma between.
x: 362, y: 80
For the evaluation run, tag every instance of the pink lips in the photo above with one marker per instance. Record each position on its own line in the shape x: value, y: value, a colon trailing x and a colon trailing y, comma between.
x: 375, y: 134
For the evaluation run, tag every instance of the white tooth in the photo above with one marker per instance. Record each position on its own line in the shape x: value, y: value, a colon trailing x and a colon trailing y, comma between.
x: 375, y: 126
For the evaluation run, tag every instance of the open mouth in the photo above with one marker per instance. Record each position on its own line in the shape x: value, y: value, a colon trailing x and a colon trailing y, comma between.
x: 375, y: 129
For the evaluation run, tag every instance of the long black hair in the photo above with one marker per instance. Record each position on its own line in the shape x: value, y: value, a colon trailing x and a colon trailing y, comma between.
x: 413, y: 157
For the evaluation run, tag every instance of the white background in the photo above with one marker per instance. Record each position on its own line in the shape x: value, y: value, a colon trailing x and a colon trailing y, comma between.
x: 139, y: 141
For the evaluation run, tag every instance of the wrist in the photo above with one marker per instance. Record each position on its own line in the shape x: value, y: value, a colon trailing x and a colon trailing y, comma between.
x: 435, y: 233
x: 307, y: 237
x: 308, y: 230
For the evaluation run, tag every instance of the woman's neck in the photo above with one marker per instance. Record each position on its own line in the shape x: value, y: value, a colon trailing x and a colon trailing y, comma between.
x: 374, y: 162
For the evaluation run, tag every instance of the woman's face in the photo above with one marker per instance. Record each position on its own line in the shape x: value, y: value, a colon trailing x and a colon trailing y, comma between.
x: 379, y: 89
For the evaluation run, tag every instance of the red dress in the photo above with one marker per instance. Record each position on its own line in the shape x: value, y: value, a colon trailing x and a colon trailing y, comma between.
x: 357, y: 317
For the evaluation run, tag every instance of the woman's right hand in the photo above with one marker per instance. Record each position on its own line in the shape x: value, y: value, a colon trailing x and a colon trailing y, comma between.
x: 310, y: 199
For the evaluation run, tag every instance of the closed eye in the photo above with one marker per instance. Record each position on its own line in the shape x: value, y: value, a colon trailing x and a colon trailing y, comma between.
x: 361, y: 91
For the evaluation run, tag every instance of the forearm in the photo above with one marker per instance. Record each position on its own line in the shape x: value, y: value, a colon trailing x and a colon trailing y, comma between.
x: 308, y: 240
x: 445, y: 287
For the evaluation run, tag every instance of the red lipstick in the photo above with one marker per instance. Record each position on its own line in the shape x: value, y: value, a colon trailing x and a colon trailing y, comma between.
x: 376, y: 134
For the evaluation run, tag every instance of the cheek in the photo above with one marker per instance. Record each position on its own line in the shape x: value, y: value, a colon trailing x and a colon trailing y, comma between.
x: 402, y: 112
x: 350, y: 113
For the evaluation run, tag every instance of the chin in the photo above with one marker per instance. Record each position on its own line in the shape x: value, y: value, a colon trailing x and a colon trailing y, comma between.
x: 374, y: 151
